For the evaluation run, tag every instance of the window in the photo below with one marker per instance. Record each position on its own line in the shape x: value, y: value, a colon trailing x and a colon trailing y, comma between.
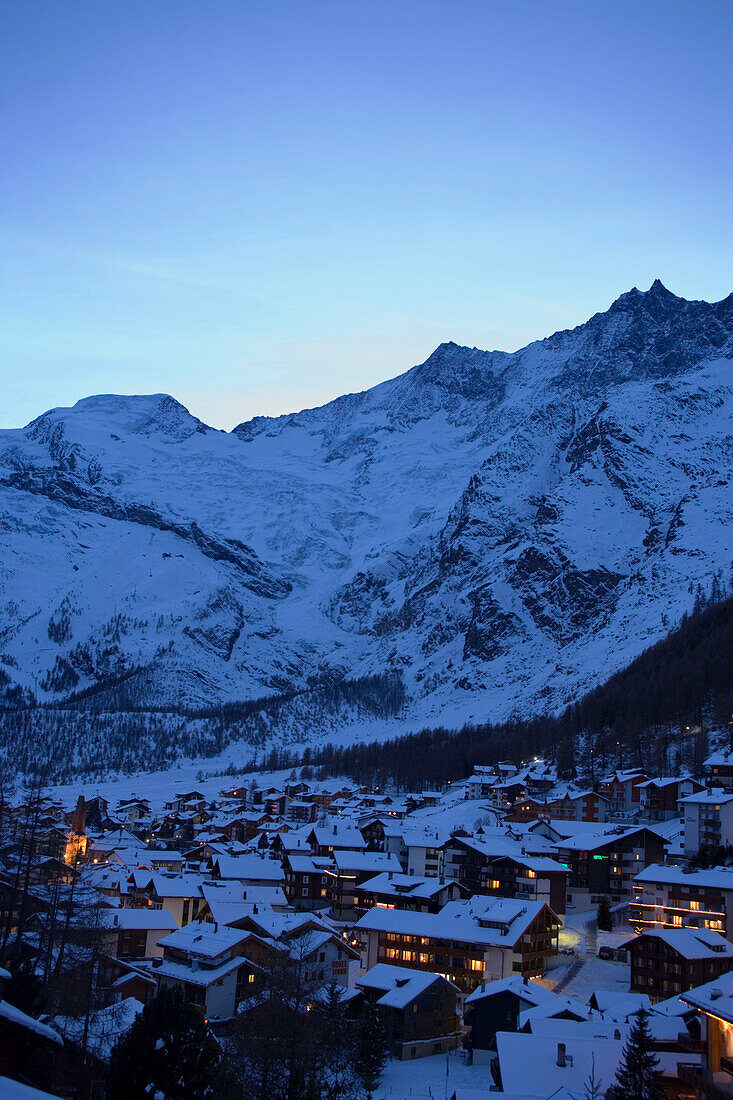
x: 306, y: 878
x: 694, y: 905
x: 494, y: 884
x: 250, y: 978
x: 676, y: 920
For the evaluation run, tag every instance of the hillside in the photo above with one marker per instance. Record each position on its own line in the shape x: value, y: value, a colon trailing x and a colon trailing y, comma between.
x: 489, y: 534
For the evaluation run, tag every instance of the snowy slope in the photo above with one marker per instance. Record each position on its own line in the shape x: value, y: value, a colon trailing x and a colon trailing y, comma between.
x: 501, y: 530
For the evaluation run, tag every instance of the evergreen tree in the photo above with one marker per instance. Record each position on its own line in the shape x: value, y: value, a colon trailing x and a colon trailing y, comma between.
x: 371, y: 1045
x: 166, y: 1053
x: 637, y: 1077
x: 605, y: 916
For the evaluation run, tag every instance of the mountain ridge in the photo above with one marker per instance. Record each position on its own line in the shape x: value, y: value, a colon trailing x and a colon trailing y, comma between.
x: 499, y: 530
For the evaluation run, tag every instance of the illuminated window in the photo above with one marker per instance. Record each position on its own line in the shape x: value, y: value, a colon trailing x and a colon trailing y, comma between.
x: 250, y: 977
x: 476, y: 964
x: 392, y: 952
x: 494, y: 884
x: 676, y: 920
x: 694, y: 905
x: 531, y: 874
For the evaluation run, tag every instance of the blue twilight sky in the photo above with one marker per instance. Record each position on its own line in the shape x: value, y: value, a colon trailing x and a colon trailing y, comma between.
x: 257, y: 205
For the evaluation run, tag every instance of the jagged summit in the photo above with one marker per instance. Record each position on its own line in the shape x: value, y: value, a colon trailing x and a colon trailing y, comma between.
x: 487, y: 533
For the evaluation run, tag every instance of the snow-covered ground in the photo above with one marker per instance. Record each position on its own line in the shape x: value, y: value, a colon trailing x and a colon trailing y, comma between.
x: 427, y: 1079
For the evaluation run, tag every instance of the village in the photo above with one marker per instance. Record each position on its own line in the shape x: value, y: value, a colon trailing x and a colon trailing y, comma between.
x: 507, y: 931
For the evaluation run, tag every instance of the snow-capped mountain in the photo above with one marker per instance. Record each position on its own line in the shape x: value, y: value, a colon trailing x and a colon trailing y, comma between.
x: 502, y: 531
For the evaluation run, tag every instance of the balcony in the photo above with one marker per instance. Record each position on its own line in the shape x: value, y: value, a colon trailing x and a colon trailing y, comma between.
x: 689, y: 1043
x: 719, y: 1087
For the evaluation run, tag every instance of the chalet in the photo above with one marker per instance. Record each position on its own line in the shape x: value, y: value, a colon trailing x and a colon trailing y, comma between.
x: 324, y: 840
x: 719, y: 769
x: 133, y: 810
x: 126, y: 979
x: 470, y: 941
x: 605, y: 860
x: 578, y: 806
x: 417, y: 849
x: 499, y: 866
x: 297, y: 789
x: 325, y: 957
x: 306, y: 882
x: 350, y: 869
x: 133, y: 933
x: 243, y: 826
x: 659, y: 797
x: 621, y: 790
x: 179, y: 894
x: 209, y: 963
x: 666, y: 962
x: 497, y: 1006
x: 394, y: 890
x: 527, y: 809
x: 419, y: 1009
x: 248, y: 868
x: 666, y: 896
x: 226, y: 901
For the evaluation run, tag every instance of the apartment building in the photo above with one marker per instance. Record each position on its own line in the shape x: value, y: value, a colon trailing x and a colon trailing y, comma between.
x: 467, y: 942
x: 666, y: 896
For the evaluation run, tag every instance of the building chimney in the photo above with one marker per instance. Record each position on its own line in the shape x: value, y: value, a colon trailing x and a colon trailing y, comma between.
x: 561, y: 1055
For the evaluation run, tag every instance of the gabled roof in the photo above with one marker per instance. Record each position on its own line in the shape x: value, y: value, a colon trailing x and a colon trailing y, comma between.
x: 479, y: 920
x: 406, y: 886
x: 204, y: 939
x: 401, y: 985
x: 691, y: 943
x: 248, y: 866
x: 523, y: 988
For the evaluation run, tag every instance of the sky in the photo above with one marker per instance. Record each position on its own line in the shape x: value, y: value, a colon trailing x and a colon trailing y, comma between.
x: 259, y: 205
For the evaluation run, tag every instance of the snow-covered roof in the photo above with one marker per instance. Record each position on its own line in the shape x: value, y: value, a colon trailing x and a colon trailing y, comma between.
x: 561, y: 1005
x: 14, y: 1016
x: 715, y: 997
x: 405, y: 886
x: 129, y: 920
x: 599, y: 836
x: 248, y: 866
x: 691, y: 943
x: 204, y: 939
x: 460, y: 920
x: 16, y: 1090
x: 528, y: 1063
x: 524, y: 988
x: 400, y: 984
x: 345, y: 860
x: 718, y: 878
x: 201, y: 976
x: 714, y: 796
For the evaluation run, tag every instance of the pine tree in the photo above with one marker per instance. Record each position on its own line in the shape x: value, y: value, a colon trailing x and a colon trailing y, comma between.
x: 637, y: 1077
x: 167, y: 1052
x: 605, y: 916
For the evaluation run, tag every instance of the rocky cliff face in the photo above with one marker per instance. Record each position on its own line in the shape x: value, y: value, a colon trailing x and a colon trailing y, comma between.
x: 501, y: 530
